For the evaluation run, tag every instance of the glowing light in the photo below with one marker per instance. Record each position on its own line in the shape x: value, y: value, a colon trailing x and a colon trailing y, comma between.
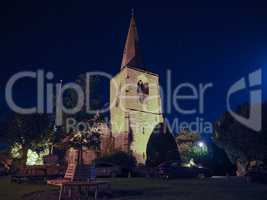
x: 201, y: 144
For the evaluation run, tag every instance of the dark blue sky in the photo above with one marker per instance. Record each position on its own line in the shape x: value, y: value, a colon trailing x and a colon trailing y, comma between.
x: 199, y: 41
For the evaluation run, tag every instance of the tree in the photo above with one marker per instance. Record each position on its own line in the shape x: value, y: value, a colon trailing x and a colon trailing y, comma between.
x: 186, y: 142
x: 161, y: 146
x: 240, y: 142
x: 95, y: 97
x: 29, y: 132
x: 219, y: 162
x: 90, y: 137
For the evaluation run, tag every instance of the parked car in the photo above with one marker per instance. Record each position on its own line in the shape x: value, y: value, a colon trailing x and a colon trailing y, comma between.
x: 174, y: 169
x: 143, y: 171
x: 104, y: 169
x: 257, y: 175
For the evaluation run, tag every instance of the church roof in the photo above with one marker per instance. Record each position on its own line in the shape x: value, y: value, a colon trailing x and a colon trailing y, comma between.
x: 132, y: 52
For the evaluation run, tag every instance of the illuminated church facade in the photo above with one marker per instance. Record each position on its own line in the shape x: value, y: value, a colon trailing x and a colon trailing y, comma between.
x: 135, y: 102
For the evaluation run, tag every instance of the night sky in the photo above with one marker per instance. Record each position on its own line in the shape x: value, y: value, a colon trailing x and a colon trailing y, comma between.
x: 200, y: 42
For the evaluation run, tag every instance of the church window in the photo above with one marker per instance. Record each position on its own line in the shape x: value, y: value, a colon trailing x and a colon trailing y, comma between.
x: 139, y: 86
x: 142, y: 90
x: 142, y: 87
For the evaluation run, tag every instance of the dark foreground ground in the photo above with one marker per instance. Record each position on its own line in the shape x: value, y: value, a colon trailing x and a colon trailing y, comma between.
x: 150, y: 189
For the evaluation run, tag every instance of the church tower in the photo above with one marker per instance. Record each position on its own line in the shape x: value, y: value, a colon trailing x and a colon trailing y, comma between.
x: 135, y: 103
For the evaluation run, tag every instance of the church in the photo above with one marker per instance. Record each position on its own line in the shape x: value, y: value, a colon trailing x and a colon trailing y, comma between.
x: 135, y: 107
x: 135, y: 102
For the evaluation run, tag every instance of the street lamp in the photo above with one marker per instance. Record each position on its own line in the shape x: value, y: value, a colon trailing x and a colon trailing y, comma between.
x: 200, y: 144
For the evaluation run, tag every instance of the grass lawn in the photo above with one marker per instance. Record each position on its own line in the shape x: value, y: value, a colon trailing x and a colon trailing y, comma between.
x: 14, y: 191
x: 150, y: 189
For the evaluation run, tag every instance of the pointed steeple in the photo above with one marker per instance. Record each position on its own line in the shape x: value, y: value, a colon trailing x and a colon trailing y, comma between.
x: 132, y: 53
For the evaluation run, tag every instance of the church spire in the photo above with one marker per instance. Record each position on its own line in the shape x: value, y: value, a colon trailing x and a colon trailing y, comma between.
x: 132, y: 54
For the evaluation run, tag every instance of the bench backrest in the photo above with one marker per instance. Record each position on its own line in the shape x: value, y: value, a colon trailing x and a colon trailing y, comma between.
x: 70, y: 172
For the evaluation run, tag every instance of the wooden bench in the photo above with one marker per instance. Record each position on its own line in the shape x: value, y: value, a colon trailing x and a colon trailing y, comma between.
x: 78, y: 176
x: 69, y: 176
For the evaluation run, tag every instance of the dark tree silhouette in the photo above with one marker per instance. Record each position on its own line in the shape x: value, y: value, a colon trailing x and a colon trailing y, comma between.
x: 161, y: 146
x: 240, y: 142
x: 29, y: 131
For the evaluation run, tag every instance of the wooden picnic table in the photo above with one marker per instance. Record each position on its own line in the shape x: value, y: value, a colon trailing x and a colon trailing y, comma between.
x: 70, y: 185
